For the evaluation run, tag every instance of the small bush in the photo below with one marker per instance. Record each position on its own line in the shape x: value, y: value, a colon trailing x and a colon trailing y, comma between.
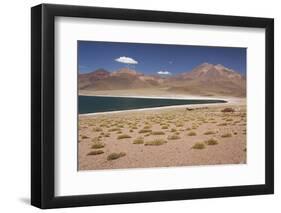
x: 96, y: 139
x: 138, y: 140
x: 97, y: 129
x: 123, y: 136
x: 158, y: 133
x: 198, y: 145
x: 228, y: 109
x: 84, y: 137
x: 147, y: 127
x: 173, y: 137
x: 209, y: 133
x: 107, y: 134
x: 114, y: 155
x: 179, y: 125
x: 96, y: 152
x: 165, y: 127
x: 226, y: 135
x: 114, y: 129
x: 211, y: 141
x: 145, y: 131
x: 192, y: 133
x: 155, y: 142
x: 222, y: 124
x: 98, y: 145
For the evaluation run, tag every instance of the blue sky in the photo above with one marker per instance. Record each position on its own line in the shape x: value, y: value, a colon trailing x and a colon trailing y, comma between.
x: 152, y: 58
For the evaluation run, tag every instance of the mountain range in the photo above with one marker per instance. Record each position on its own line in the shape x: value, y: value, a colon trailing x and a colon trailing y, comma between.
x: 205, y: 79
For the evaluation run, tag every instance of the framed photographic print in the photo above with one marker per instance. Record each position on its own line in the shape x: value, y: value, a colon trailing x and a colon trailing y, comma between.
x: 139, y: 106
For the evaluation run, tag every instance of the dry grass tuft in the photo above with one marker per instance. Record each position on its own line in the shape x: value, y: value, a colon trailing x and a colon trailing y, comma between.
x: 97, y: 129
x: 123, y: 136
x: 114, y: 155
x: 173, y: 137
x: 211, y: 141
x: 96, y: 152
x: 158, y: 133
x: 114, y: 129
x: 226, y: 135
x: 192, y: 133
x: 147, y: 127
x: 165, y: 127
x: 156, y: 142
x: 198, y: 145
x: 209, y: 133
x: 145, y: 131
x: 228, y: 109
x: 138, y: 140
x: 107, y: 134
x: 222, y: 124
x: 97, y: 145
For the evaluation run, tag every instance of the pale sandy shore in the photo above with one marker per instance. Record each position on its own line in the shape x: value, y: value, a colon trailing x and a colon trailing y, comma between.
x: 163, y: 137
x: 150, y: 93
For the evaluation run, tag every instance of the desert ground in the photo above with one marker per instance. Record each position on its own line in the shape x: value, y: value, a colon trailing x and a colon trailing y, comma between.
x: 208, y: 134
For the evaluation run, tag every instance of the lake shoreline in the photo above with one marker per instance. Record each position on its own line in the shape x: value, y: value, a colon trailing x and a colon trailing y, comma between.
x: 228, y: 101
x: 192, y: 106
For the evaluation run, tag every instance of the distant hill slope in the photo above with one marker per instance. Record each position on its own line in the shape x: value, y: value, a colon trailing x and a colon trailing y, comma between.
x: 205, y: 79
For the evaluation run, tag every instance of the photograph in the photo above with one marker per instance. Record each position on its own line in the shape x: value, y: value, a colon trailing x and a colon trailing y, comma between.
x: 139, y: 105
x: 145, y: 105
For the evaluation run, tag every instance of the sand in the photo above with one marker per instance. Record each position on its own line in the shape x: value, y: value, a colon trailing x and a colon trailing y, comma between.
x: 171, y: 128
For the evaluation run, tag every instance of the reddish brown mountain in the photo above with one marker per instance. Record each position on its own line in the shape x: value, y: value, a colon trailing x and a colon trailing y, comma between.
x: 121, y: 79
x: 205, y: 79
x: 209, y: 79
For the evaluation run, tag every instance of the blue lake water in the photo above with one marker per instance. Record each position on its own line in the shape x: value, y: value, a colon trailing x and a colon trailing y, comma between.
x: 92, y: 104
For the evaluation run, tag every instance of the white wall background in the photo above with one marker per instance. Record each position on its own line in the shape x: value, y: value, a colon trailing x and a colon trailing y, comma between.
x: 15, y: 105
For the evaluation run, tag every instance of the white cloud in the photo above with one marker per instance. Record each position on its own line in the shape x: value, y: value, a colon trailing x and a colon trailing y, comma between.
x: 162, y: 72
x: 126, y: 60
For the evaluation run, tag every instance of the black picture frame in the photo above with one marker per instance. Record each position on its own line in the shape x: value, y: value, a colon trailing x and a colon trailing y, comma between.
x: 43, y: 102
